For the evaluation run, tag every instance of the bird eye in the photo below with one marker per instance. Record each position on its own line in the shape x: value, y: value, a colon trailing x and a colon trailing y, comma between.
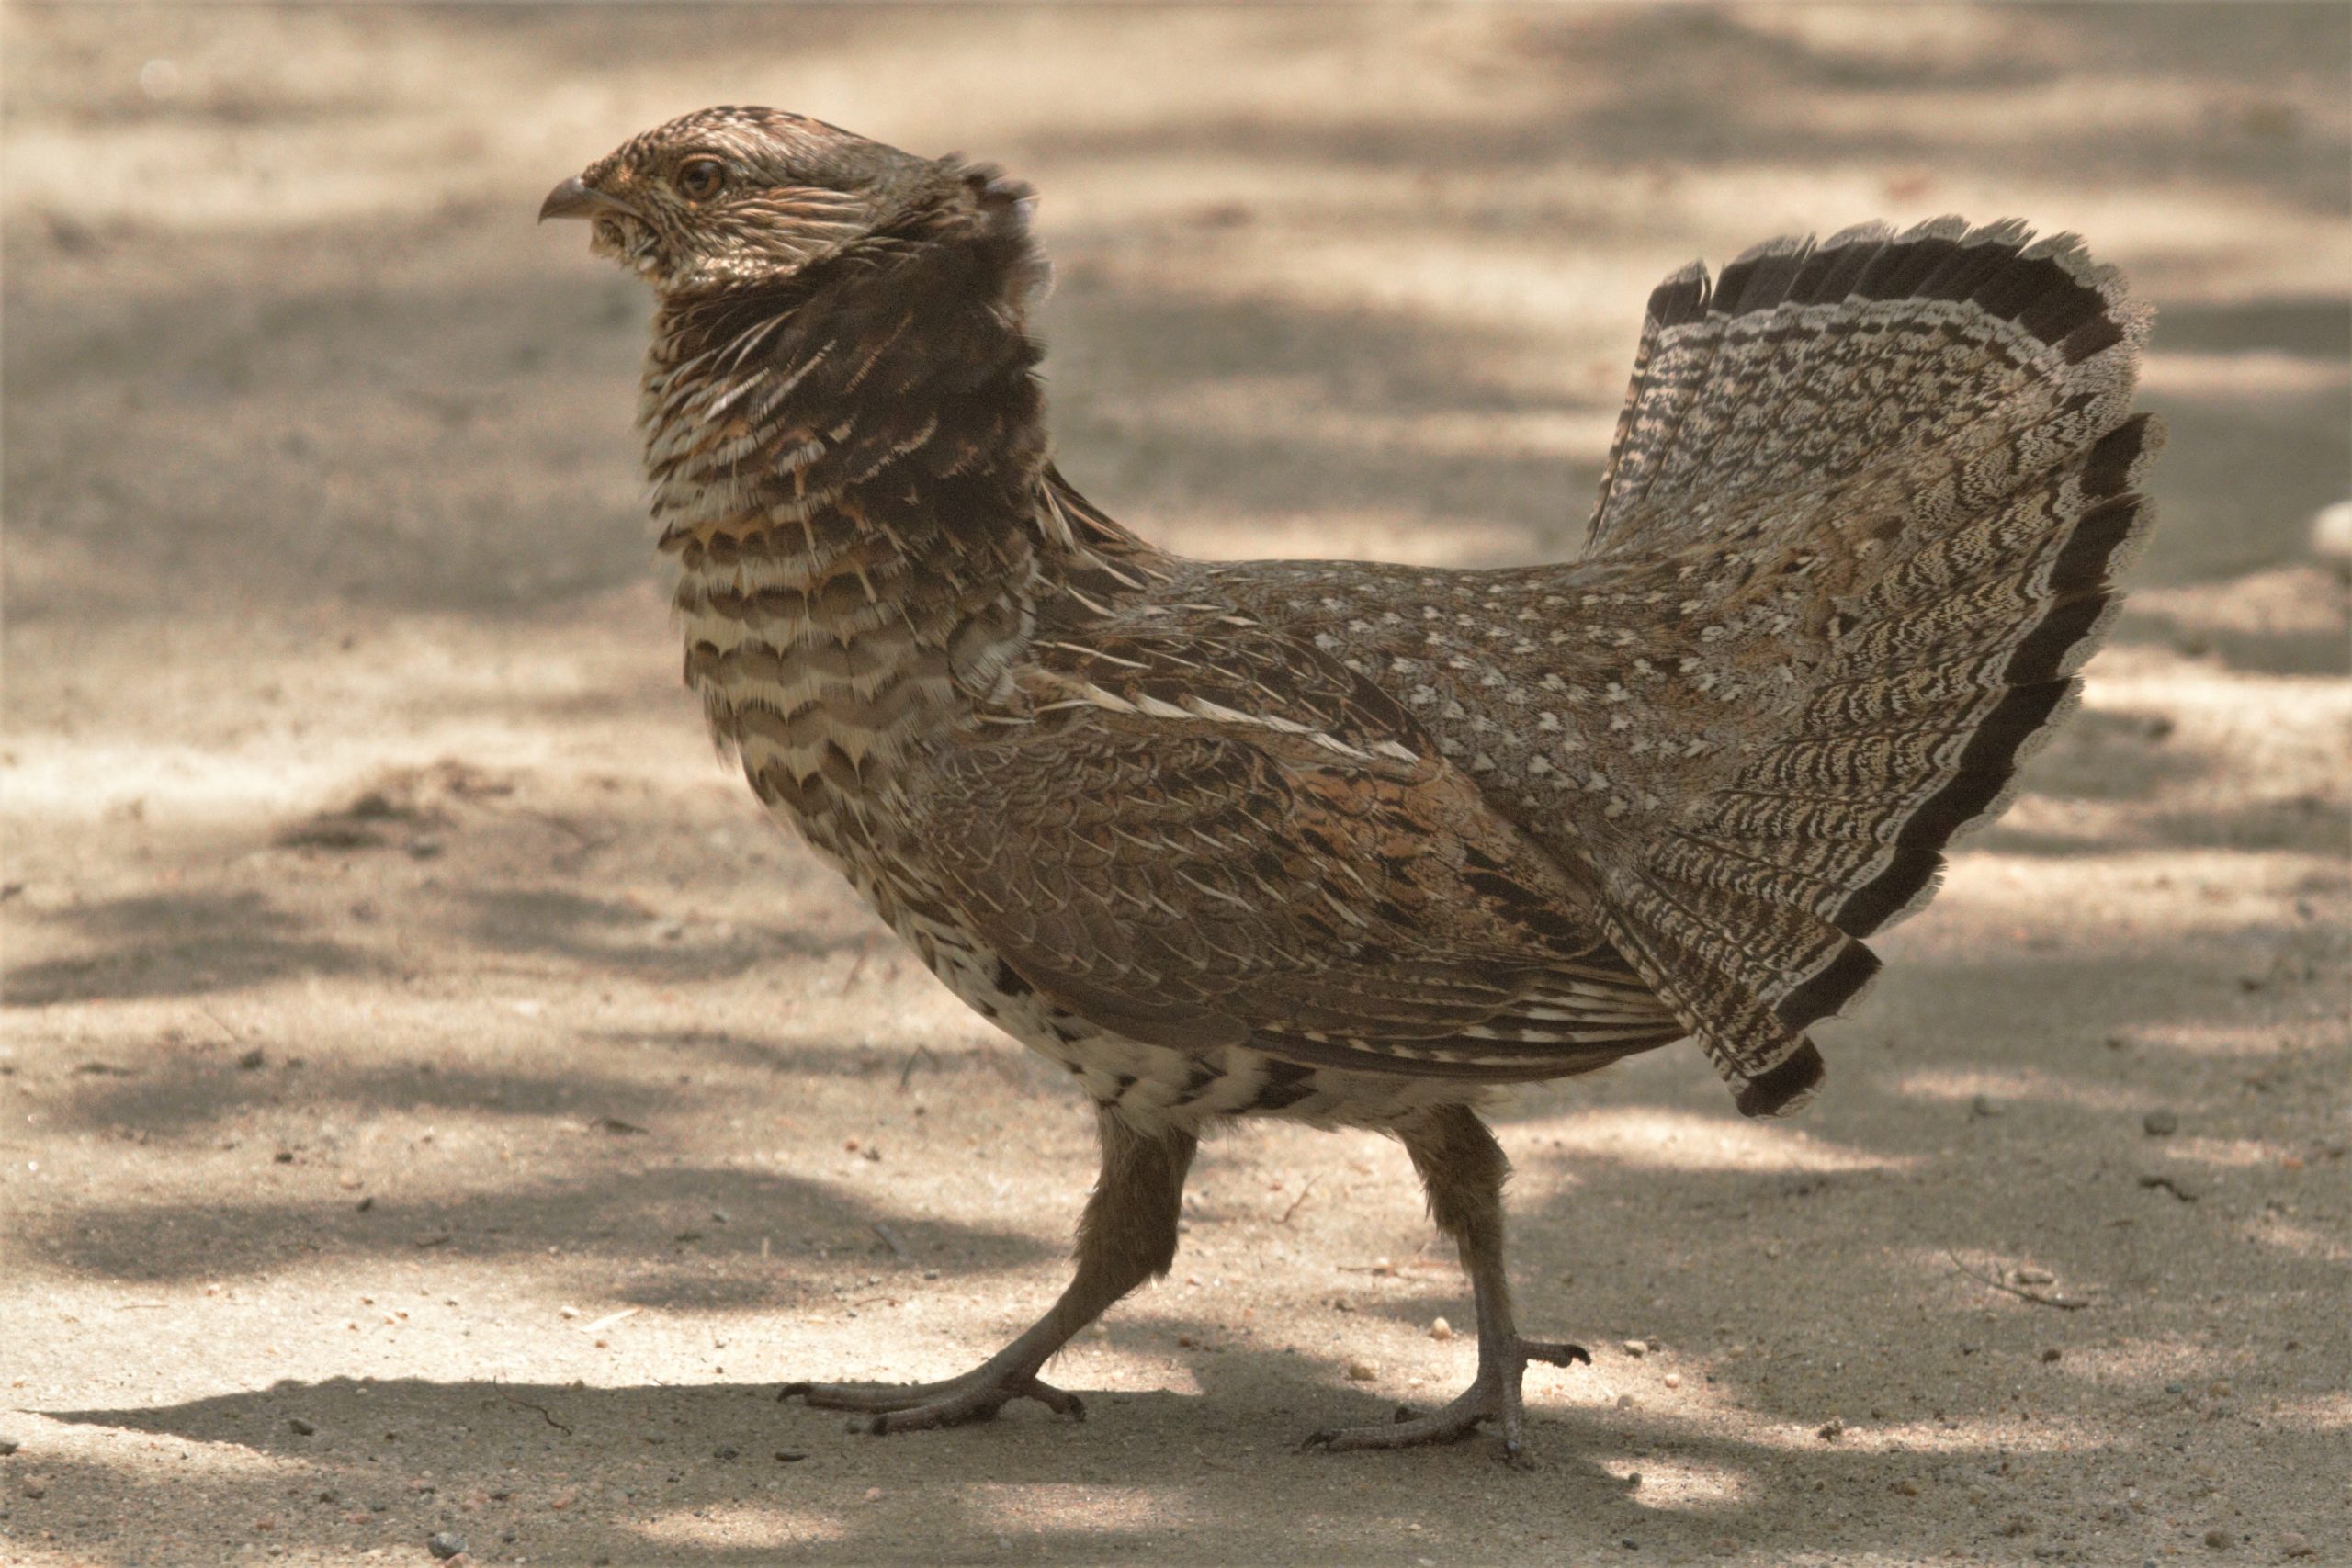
x: 701, y: 178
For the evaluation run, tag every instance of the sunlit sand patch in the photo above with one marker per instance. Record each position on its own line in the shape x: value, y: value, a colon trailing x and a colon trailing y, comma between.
x: 1235, y: 408
x: 2014, y: 1083
x: 2233, y: 1153
x: 2145, y: 1363
x: 2260, y: 373
x: 1675, y: 1140
x: 1717, y: 1425
x: 2292, y: 601
x: 2303, y: 1240
x: 2320, y: 1412
x: 1686, y: 1485
x: 1403, y: 537
x: 2204, y: 1038
x: 1987, y: 891
x: 740, y: 1525
x: 1058, y: 1506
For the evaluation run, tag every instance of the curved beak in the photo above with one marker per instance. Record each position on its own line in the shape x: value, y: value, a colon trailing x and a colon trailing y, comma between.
x: 574, y: 199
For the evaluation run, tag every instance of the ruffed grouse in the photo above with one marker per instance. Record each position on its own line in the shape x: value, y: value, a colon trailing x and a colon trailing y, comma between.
x: 1341, y: 842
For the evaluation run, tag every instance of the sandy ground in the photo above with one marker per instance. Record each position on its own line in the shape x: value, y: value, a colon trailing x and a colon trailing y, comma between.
x: 432, y: 1099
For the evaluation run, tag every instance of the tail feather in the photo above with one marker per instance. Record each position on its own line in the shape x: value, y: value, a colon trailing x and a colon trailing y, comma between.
x: 1887, y: 481
x: 1781, y: 380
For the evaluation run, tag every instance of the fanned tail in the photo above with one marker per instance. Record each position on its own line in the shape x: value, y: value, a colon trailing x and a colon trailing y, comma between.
x: 1876, y: 493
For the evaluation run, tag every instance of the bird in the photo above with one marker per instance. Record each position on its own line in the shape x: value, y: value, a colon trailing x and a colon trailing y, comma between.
x: 1346, y: 842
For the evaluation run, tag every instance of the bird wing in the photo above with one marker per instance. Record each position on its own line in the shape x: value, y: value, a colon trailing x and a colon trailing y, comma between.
x: 1199, y: 840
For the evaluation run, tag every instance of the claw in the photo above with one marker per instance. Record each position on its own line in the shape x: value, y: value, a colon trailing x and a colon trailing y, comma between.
x: 1493, y: 1395
x: 882, y: 1408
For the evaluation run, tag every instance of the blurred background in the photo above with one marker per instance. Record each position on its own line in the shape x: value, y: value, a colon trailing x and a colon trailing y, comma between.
x: 378, y: 923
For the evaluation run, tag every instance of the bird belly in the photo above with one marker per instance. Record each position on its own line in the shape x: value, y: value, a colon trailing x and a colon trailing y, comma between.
x: 1160, y: 1089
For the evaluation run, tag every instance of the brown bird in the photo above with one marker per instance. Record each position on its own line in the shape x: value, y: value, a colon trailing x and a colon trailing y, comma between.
x: 1340, y: 841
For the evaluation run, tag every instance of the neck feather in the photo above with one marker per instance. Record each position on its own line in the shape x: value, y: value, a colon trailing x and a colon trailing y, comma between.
x: 848, y: 467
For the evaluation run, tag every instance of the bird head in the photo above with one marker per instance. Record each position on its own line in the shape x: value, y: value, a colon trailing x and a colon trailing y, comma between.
x: 730, y: 196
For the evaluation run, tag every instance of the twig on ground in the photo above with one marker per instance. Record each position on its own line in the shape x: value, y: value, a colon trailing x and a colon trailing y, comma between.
x: 1296, y: 1202
x: 2023, y: 1293
x: 917, y: 1054
x: 898, y: 1248
x: 609, y: 1319
x: 2166, y: 1184
x: 544, y: 1415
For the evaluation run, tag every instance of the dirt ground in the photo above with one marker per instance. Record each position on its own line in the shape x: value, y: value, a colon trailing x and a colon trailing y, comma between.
x: 433, y: 1100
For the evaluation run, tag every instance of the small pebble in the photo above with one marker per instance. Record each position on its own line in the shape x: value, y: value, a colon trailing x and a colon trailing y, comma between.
x: 2051, y: 1354
x: 1830, y: 1431
x: 1440, y: 1329
x: 874, y: 1493
x: 2035, y: 1277
x: 2217, y: 1539
x: 445, y: 1546
x: 252, y: 1061
x: 1673, y: 1380
x: 302, y: 1429
x: 36, y: 1487
x: 1186, y: 1342
x: 9, y: 1446
x: 1626, y: 1402
x: 2292, y: 1544
x: 789, y: 1456
x: 722, y: 1453
x: 1636, y: 1347
x: 1359, y: 1373
x: 2160, y: 1123
x: 1906, y: 1489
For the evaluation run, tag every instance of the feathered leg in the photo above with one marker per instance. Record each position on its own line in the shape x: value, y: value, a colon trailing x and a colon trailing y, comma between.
x: 1127, y: 1235
x: 1462, y: 1169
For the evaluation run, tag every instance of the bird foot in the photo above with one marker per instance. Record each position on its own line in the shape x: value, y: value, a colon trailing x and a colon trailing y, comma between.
x: 1493, y: 1395
x: 978, y: 1396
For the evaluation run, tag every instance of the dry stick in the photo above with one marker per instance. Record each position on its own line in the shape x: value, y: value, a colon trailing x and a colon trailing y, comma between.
x: 2064, y: 1303
x: 1297, y: 1200
x: 908, y: 1071
x: 526, y: 1405
x: 898, y: 1248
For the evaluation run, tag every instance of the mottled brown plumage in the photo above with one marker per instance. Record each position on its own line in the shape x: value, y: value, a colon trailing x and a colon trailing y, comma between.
x: 1344, y: 842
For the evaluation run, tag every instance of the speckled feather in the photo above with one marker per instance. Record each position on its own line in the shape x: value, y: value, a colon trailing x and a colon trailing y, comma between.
x: 1347, y: 841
